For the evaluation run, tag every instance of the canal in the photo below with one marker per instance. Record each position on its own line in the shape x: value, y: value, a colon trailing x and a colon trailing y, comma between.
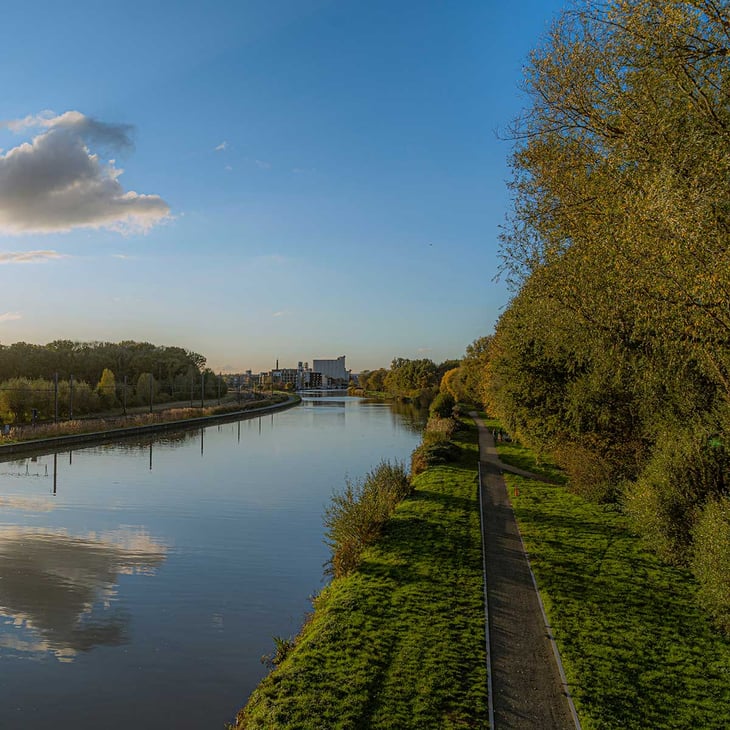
x: 142, y: 581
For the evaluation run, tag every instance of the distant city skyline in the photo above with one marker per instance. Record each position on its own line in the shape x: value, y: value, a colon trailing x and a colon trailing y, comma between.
x: 255, y: 180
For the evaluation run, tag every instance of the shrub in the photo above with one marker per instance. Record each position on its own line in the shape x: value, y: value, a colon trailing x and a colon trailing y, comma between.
x: 442, y: 405
x: 437, y: 447
x: 427, y: 455
x: 589, y: 473
x: 15, y: 396
x: 684, y: 473
x: 419, y: 460
x: 711, y: 559
x: 440, y: 429
x: 282, y: 649
x: 355, y: 516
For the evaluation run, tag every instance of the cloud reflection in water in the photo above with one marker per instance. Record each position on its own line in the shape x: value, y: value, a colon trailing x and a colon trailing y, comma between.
x: 56, y: 589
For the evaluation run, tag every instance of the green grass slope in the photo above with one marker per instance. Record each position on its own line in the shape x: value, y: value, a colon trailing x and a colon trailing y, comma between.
x: 400, y: 642
x: 638, y: 651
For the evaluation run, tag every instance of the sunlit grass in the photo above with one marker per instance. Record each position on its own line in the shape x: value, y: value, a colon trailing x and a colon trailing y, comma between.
x: 638, y: 651
x: 399, y: 643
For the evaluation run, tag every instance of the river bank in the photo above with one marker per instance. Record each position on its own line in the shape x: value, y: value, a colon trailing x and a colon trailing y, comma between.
x: 142, y: 424
x: 399, y: 642
x: 162, y: 565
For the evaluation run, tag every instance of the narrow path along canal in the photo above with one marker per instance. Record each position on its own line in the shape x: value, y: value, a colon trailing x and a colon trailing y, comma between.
x: 142, y: 581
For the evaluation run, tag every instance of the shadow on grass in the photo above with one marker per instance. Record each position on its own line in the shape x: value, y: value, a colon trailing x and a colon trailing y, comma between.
x: 400, y: 641
x: 510, y: 456
x: 638, y: 650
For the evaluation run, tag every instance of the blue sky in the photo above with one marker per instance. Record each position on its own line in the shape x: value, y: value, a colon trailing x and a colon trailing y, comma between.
x: 291, y: 179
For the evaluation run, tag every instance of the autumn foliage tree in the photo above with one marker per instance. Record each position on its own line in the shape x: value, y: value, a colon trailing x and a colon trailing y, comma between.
x: 107, y: 389
x: 615, y: 353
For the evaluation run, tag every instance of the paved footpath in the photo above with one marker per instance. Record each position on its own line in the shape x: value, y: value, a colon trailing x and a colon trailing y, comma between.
x: 527, y: 688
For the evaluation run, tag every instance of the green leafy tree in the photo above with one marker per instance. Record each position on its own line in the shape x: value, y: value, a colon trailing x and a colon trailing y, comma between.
x: 376, y: 380
x: 711, y: 559
x: 411, y: 378
x: 615, y: 353
x: 362, y: 379
x: 146, y: 389
x: 442, y: 405
x: 15, y: 398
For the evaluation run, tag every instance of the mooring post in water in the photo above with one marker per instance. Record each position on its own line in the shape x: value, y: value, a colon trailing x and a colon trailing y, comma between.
x: 55, y: 471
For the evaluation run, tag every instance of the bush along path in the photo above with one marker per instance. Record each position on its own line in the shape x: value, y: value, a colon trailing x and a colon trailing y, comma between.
x: 397, y: 638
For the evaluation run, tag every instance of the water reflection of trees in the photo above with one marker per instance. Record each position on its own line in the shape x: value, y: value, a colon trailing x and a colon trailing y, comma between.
x: 58, y: 590
x: 166, y: 439
x: 412, y: 416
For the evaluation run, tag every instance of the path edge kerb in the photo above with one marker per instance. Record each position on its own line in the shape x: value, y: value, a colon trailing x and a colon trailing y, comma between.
x: 548, y: 629
x: 130, y: 431
x: 490, y: 685
x: 551, y: 637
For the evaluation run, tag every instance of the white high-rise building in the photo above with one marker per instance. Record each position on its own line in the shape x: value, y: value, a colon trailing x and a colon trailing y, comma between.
x: 333, y: 371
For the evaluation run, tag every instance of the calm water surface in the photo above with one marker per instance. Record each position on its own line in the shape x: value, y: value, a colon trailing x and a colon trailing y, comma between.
x: 140, y: 583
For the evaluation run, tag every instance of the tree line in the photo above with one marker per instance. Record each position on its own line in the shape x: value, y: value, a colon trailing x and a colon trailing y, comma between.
x: 67, y: 379
x: 416, y: 380
x: 86, y: 361
x: 614, y: 354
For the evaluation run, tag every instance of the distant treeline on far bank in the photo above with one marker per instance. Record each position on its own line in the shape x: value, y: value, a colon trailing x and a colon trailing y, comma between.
x: 79, y: 378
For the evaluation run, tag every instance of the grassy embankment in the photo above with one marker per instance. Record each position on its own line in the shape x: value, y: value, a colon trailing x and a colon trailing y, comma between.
x: 107, y: 423
x: 637, y: 649
x: 399, y: 642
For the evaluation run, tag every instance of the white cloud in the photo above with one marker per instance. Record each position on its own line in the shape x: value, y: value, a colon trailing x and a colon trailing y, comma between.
x: 222, y: 146
x: 29, y: 257
x: 55, y: 183
x: 32, y: 120
x: 263, y: 165
x: 279, y: 314
x: 27, y: 504
x: 10, y: 316
x: 229, y: 168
